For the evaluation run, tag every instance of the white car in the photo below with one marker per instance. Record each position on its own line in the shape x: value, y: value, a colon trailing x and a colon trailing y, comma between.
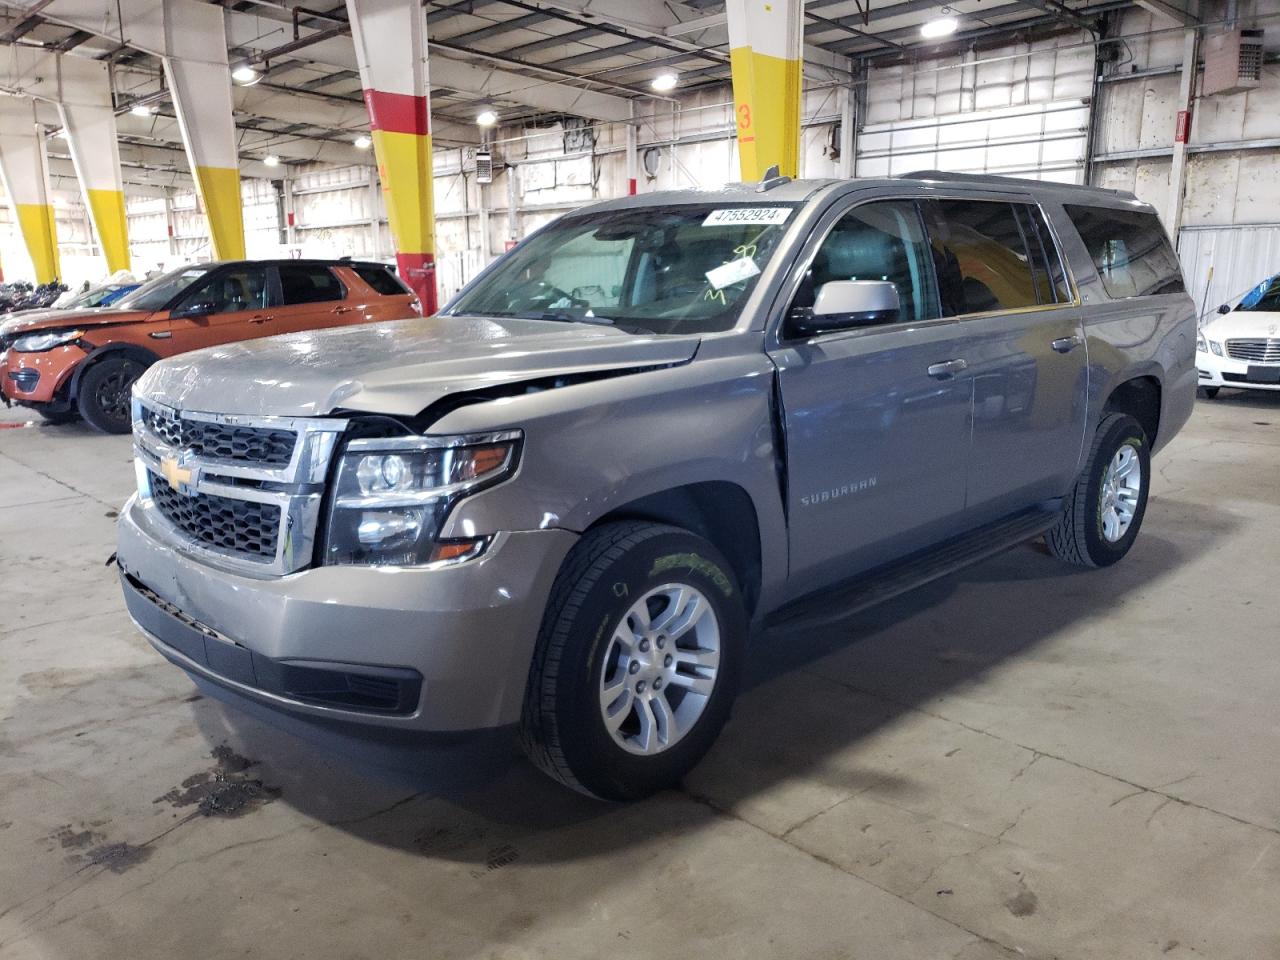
x: 1241, y: 348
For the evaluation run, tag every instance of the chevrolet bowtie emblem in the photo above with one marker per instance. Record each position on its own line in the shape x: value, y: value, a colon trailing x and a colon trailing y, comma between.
x: 179, y: 477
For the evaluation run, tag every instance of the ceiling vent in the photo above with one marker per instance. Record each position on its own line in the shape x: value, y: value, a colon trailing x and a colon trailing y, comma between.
x: 1232, y: 62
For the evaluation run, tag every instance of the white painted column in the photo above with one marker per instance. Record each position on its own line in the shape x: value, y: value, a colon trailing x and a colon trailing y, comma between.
x: 24, y: 170
x: 1182, y: 132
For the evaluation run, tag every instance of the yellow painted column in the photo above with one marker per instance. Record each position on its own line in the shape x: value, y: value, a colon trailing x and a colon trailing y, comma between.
x: 24, y: 169
x: 391, y: 49
x: 765, y: 50
x: 199, y: 76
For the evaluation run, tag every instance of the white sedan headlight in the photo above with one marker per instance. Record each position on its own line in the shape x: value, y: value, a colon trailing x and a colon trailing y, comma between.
x: 393, y: 495
x: 45, y: 340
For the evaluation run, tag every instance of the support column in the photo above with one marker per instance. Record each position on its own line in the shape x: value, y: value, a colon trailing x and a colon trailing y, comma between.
x: 391, y: 50
x: 24, y: 168
x: 199, y: 78
x: 1182, y: 131
x: 88, y: 117
x: 765, y: 39
x: 633, y: 159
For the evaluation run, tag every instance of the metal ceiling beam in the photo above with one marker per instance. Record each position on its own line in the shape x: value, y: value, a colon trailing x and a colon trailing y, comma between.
x: 1171, y: 10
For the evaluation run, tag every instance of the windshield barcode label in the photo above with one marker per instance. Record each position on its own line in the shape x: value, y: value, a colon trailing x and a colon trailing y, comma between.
x: 731, y: 216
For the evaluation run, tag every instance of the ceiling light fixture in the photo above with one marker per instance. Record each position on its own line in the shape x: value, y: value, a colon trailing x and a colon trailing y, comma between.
x: 363, y: 142
x: 941, y: 27
x: 665, y: 82
x: 486, y: 118
x: 142, y: 110
x: 271, y: 160
x: 245, y: 75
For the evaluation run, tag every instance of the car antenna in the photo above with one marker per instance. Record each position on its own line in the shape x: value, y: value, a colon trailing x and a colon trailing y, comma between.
x: 772, y: 178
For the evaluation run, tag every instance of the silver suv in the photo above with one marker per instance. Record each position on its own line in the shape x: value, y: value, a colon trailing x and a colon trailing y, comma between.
x: 561, y: 506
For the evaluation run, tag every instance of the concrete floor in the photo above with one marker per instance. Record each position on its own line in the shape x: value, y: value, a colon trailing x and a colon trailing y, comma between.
x: 1020, y: 761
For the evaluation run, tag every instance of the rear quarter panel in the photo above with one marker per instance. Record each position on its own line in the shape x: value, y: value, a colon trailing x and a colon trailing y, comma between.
x: 1139, y: 337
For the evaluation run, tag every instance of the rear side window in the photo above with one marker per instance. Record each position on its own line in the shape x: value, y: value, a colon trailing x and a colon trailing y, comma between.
x: 308, y: 283
x: 1129, y: 247
x: 382, y: 279
x: 982, y: 257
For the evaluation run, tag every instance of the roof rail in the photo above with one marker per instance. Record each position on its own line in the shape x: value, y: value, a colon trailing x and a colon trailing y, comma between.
x: 1011, y: 181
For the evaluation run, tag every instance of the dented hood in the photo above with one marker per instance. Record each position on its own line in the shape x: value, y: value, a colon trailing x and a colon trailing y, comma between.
x: 28, y: 321
x: 399, y: 367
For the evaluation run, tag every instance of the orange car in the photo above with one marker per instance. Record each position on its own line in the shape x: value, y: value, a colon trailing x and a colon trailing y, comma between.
x: 67, y: 362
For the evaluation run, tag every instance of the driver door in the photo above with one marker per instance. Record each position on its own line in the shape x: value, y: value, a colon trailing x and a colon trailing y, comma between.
x: 877, y: 432
x: 234, y: 304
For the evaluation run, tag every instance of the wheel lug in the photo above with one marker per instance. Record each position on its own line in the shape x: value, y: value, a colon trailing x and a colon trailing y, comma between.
x: 662, y: 642
x: 644, y: 646
x: 635, y: 667
x: 666, y: 661
x: 639, y: 686
x: 657, y: 683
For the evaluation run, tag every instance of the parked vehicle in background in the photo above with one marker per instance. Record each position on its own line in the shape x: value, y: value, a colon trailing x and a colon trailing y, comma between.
x: 100, y: 296
x: 63, y: 363
x: 23, y: 296
x: 1241, y: 346
x: 559, y: 507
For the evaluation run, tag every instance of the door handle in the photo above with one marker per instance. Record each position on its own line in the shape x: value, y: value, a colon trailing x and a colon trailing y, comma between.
x: 947, y: 369
x: 261, y: 318
x: 343, y: 309
x: 1066, y: 344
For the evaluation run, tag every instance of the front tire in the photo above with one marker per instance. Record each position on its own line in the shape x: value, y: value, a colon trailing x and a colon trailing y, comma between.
x: 637, y: 661
x: 106, y: 392
x: 1103, y: 513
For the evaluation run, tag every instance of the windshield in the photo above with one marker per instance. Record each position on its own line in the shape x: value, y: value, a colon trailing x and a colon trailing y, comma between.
x: 685, y: 269
x: 156, y: 294
x: 95, y: 298
x: 1264, y: 298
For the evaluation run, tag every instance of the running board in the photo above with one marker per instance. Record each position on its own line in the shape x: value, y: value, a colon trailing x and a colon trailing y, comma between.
x: 824, y: 609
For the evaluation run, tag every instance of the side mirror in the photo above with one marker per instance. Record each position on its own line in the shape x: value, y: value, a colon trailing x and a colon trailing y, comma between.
x: 1225, y: 308
x: 194, y: 310
x: 845, y: 304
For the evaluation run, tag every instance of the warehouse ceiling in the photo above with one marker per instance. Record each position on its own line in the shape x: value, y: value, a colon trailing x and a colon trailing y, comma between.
x: 526, y: 60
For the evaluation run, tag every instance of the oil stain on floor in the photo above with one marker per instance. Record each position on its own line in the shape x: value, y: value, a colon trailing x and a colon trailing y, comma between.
x: 225, y: 790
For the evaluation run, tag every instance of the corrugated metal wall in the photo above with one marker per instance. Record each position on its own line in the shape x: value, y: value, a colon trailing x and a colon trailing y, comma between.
x: 1223, y: 263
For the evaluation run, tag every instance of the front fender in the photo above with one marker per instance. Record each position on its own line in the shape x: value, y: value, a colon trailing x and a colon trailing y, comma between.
x: 594, y: 447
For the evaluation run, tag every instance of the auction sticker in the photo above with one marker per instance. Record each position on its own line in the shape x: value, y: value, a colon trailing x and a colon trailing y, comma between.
x: 731, y: 216
x: 744, y: 268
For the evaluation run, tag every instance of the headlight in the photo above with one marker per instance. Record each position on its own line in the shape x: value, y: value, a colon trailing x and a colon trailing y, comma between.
x: 45, y: 340
x: 1216, y: 347
x: 1202, y: 345
x: 392, y: 496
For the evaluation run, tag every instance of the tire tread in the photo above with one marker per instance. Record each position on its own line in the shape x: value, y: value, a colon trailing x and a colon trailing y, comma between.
x: 1067, y: 539
x: 590, y: 558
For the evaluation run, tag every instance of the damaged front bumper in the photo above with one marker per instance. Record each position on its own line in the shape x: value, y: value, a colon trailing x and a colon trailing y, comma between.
x: 371, y: 649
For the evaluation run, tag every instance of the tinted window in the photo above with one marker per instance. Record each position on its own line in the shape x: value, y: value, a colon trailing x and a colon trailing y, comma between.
x: 1129, y: 247
x: 308, y: 283
x: 981, y: 256
x: 244, y: 288
x: 876, y: 241
x: 382, y: 279
x: 1046, y: 264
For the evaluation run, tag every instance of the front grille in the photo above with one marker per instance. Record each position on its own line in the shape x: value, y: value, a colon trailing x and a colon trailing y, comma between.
x: 244, y: 527
x: 1255, y: 350
x: 203, y: 438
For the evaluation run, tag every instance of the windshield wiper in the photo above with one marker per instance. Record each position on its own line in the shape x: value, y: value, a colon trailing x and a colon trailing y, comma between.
x: 562, y: 317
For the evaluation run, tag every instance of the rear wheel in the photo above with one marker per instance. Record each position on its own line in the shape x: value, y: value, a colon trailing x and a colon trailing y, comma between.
x: 637, y: 661
x: 1102, y: 515
x: 106, y: 393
